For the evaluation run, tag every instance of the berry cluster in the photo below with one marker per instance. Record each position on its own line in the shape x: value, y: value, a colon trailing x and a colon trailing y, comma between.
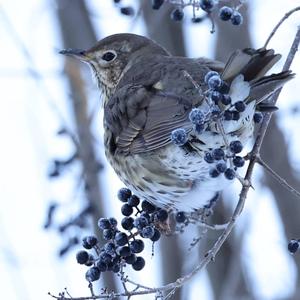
x: 293, y: 245
x: 227, y: 13
x: 125, y: 10
x: 218, y: 94
x: 219, y: 158
x: 123, y: 244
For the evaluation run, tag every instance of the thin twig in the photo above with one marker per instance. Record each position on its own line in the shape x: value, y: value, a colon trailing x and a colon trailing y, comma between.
x: 277, y: 177
x: 279, y: 24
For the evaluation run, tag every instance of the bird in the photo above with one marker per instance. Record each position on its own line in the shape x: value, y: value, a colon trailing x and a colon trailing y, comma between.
x: 173, y: 126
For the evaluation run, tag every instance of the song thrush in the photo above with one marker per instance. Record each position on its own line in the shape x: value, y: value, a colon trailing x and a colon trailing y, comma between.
x: 150, y: 94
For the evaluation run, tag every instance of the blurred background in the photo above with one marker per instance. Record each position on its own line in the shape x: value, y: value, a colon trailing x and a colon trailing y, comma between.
x: 55, y: 181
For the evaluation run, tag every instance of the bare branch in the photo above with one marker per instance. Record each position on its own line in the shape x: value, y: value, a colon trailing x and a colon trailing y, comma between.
x: 277, y: 177
x: 286, y: 16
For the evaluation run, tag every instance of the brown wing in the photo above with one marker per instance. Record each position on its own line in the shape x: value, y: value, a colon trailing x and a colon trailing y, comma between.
x: 142, y: 116
x: 141, y: 119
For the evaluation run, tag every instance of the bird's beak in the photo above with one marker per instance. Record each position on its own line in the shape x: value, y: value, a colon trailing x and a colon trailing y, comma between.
x: 76, y: 53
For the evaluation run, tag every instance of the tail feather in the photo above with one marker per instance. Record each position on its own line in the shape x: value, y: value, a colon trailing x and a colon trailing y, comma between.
x: 262, y: 88
x: 253, y: 64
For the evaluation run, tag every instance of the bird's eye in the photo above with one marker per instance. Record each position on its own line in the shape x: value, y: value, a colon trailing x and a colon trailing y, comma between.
x: 108, y: 56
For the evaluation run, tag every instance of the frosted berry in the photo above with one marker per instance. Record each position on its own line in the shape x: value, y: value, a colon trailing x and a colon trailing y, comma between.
x: 209, y: 75
x: 124, y: 194
x: 236, y: 147
x: 104, y: 223
x: 236, y: 18
x: 229, y: 174
x: 179, y: 136
x: 225, y: 13
x: 177, y: 14
x: 196, y: 116
x: 238, y: 161
x: 92, y: 274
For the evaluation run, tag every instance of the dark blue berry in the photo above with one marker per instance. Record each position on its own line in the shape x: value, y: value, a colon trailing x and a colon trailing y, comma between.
x: 82, y: 257
x: 228, y: 115
x: 89, y: 242
x: 179, y: 136
x: 146, y: 215
x: 221, y: 167
x: 177, y: 14
x: 225, y: 13
x: 214, y: 173
x: 105, y: 258
x: 196, y: 116
x: 113, y: 222
x: 126, y: 209
x: 214, y: 82
x: 209, y: 75
x: 92, y: 240
x: 130, y: 259
x: 180, y: 217
x: 293, y: 246
x: 218, y: 154
x: 92, y: 274
x: 124, y: 251
x: 236, y: 18
x: 108, y: 234
x: 127, y: 223
x: 90, y: 261
x: 208, y: 157
x: 162, y: 215
x: 104, y: 223
x: 127, y: 11
x: 226, y: 99
x: 137, y: 246
x: 134, y: 201
x: 229, y: 174
x: 124, y: 194
x: 258, y: 116
x: 156, y: 4
x: 148, y: 232
x: 224, y: 88
x: 216, y: 97
x: 148, y: 207
x: 238, y: 161
x: 110, y: 248
x: 156, y: 236
x: 240, y: 106
x: 236, y: 147
x: 121, y: 239
x: 140, y: 223
x: 101, y: 266
x: 207, y: 5
x: 138, y: 264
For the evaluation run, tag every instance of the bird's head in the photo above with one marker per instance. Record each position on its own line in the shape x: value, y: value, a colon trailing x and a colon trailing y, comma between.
x: 112, y: 56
